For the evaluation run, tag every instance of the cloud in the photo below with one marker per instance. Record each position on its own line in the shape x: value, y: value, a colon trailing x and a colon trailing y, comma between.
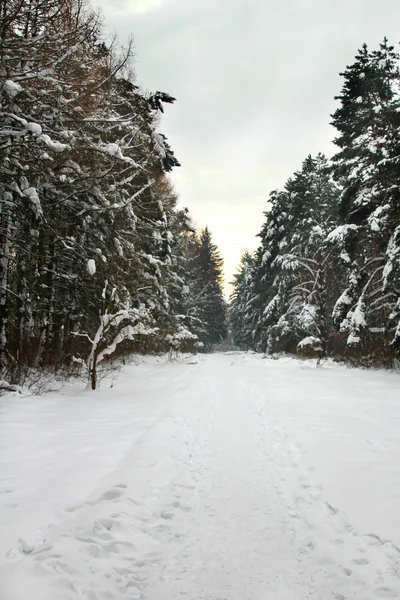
x: 128, y: 7
x: 144, y: 6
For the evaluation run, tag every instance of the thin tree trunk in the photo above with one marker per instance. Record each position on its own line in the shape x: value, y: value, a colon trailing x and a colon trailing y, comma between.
x: 4, y: 265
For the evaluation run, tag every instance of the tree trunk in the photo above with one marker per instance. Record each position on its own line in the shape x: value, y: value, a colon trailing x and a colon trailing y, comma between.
x: 4, y: 262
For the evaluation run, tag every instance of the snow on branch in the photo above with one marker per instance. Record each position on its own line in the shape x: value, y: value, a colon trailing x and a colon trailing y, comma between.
x: 116, y: 206
x: 126, y: 333
x: 55, y: 146
x: 126, y: 324
x: 288, y: 262
x: 30, y: 193
x: 393, y: 255
x: 344, y: 300
x: 114, y: 150
x: 340, y: 233
x: 12, y: 88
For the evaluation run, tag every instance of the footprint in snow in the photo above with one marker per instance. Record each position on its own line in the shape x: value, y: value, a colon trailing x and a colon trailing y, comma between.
x: 386, y: 592
x: 107, y: 523
x: 182, y: 507
x: 332, y: 509
x: 112, y: 494
x: 11, y: 505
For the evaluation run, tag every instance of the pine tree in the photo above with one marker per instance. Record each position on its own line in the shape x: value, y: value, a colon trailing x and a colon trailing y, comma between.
x: 205, y: 287
x: 290, y: 297
x: 367, y: 166
x: 84, y: 213
x: 241, y: 313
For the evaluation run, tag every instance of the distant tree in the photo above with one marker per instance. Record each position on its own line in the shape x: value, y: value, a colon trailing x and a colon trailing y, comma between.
x: 205, y: 300
x: 241, y: 313
x: 290, y: 280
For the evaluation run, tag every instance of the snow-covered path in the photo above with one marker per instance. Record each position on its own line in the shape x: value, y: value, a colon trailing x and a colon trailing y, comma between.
x: 225, y: 477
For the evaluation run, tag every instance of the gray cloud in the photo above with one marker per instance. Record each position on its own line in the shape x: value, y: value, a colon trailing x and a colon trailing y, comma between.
x: 255, y: 82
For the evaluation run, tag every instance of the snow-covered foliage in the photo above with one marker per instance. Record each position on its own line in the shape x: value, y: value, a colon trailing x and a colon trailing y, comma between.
x: 91, y: 267
x: 367, y: 165
x: 340, y: 233
x: 88, y: 218
x: 310, y: 342
x: 329, y: 260
x: 198, y: 286
x: 284, y: 298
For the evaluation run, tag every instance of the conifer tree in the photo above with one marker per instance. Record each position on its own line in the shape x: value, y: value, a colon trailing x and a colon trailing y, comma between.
x: 290, y: 282
x: 367, y: 166
x: 241, y: 313
x: 85, y: 217
x: 206, y: 290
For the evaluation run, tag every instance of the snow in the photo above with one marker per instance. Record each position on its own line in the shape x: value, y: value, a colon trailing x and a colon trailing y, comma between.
x: 345, y: 256
x: 308, y: 317
x: 53, y: 145
x: 31, y: 194
x: 34, y: 128
x: 220, y: 477
x: 111, y: 149
x: 378, y: 218
x: 393, y: 254
x: 12, y: 88
x: 287, y: 262
x: 317, y: 231
x: 130, y: 332
x: 310, y: 341
x: 181, y: 335
x: 353, y: 339
x: 114, y: 150
x: 91, y: 267
x: 271, y: 306
x: 8, y: 387
x: 358, y: 316
x: 340, y: 232
x: 344, y: 299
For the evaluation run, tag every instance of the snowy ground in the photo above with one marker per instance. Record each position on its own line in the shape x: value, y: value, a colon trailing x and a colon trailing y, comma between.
x: 224, y: 477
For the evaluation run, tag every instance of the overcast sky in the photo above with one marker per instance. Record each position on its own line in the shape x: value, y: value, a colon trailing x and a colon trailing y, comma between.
x: 254, y: 82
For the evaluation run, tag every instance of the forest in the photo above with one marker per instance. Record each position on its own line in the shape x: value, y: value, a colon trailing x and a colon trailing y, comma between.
x: 96, y: 258
x: 325, y: 280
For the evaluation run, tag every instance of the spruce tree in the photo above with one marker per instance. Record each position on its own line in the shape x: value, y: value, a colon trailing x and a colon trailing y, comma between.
x: 207, y: 280
x: 367, y: 166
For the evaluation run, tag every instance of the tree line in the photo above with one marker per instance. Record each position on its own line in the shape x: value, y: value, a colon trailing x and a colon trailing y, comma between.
x: 327, y: 270
x: 96, y: 258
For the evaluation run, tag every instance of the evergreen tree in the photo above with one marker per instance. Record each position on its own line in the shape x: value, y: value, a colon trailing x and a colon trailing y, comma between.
x: 290, y: 284
x: 205, y: 267
x: 367, y: 166
x: 86, y: 211
x: 241, y: 313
